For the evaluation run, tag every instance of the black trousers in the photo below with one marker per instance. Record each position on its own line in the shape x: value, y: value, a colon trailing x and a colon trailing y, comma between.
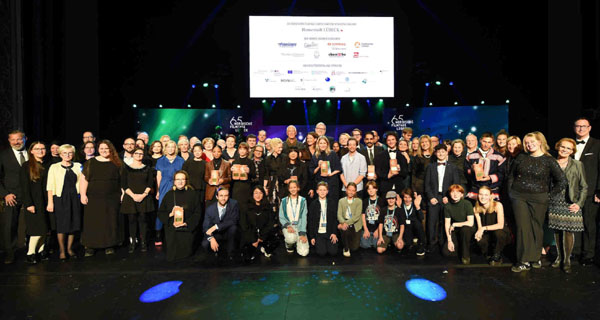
x: 350, y: 238
x: 270, y: 242
x: 530, y: 212
x: 323, y: 245
x: 223, y: 236
x: 585, y: 242
x: 412, y: 230
x: 435, y: 222
x: 499, y: 239
x: 461, y: 237
x: 10, y: 224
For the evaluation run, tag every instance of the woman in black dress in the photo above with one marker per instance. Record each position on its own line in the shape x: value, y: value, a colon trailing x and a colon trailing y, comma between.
x: 274, y: 163
x: 241, y: 188
x: 155, y: 152
x: 63, y: 198
x: 137, y: 181
x: 332, y: 177
x: 258, y: 233
x: 179, y: 235
x: 101, y: 194
x: 422, y: 160
x: 34, y: 174
x: 296, y: 169
x: 195, y: 167
x: 230, y: 153
x: 258, y: 166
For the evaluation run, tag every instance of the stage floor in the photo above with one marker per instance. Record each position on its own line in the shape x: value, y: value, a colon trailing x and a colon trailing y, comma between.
x: 287, y: 286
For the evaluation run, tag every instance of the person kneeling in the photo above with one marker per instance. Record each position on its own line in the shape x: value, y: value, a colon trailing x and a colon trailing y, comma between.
x: 372, y: 208
x: 292, y: 216
x: 350, y: 219
x: 220, y: 223
x: 458, y: 214
x: 412, y: 218
x: 322, y: 229
x: 181, y: 212
x: 258, y: 234
x: 390, y: 225
x: 491, y: 228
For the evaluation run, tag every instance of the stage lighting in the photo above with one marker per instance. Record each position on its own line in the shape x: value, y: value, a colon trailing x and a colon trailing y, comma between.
x: 216, y: 86
x: 507, y: 101
x: 431, y: 103
x: 339, y: 101
x: 214, y: 106
x: 184, y: 127
x: 473, y: 129
x: 455, y: 103
x: 314, y: 100
x: 408, y: 104
x: 135, y: 105
x: 425, y: 289
x: 289, y: 101
x: 193, y: 86
x: 205, y: 85
x: 380, y: 100
x: 189, y: 105
x: 274, y: 101
x: 206, y: 115
x: 368, y: 101
x: 438, y: 83
x: 482, y: 102
x: 239, y: 107
x: 264, y: 101
x: 160, y: 105
x: 328, y: 101
x: 163, y: 121
x: 427, y: 84
x: 161, y: 292
x: 353, y: 100
x: 451, y: 83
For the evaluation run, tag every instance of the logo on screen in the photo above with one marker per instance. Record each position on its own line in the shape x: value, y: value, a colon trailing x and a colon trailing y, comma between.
x: 286, y: 44
x: 357, y: 44
x: 337, y: 55
x: 356, y: 54
x: 336, y: 44
x: 238, y: 123
x: 332, y: 89
x: 317, y: 54
x: 397, y: 122
x: 311, y: 45
x: 327, y: 79
x: 290, y: 71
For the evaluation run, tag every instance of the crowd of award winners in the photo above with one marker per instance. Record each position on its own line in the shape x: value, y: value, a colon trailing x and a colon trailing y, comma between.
x: 241, y: 197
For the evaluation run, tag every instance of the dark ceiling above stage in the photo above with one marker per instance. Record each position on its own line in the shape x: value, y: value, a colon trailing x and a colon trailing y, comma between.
x: 151, y: 52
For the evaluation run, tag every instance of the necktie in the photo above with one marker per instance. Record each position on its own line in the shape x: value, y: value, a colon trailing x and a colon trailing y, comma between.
x: 441, y: 163
x: 580, y: 142
x: 371, y: 155
x: 221, y: 213
x: 21, y: 158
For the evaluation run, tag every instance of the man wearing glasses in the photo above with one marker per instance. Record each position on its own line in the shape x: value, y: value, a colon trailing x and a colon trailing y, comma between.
x: 588, y: 152
x: 127, y: 153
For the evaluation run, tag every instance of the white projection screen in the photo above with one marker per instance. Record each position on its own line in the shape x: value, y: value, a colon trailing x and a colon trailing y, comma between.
x: 305, y: 57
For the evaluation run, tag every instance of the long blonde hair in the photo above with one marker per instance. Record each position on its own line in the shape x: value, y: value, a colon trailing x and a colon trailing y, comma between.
x: 318, y: 151
x: 479, y: 208
x: 539, y: 137
x: 421, y: 138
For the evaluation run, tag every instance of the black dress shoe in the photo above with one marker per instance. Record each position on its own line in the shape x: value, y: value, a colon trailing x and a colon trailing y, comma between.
x: 587, y: 262
x: 44, y: 256
x: 31, y: 259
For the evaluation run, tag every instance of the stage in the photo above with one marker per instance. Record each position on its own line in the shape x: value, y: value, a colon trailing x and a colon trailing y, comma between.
x: 287, y: 286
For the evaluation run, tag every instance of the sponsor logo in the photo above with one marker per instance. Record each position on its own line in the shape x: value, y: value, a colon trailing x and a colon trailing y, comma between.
x: 317, y: 89
x: 299, y: 88
x: 347, y: 79
x: 316, y: 54
x: 286, y: 44
x: 311, y: 45
x: 397, y: 122
x: 332, y: 89
x: 336, y: 44
x: 337, y: 55
x: 364, y: 81
x: 327, y: 79
x: 290, y: 71
x: 294, y: 54
x: 288, y: 80
x: 359, y: 44
x: 356, y: 54
x: 238, y: 123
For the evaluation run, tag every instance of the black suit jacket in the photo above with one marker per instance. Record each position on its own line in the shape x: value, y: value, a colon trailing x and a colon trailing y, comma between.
x: 9, y: 174
x: 314, y: 216
x: 591, y: 163
x: 377, y: 150
x: 382, y: 168
x: 451, y: 176
x: 230, y: 218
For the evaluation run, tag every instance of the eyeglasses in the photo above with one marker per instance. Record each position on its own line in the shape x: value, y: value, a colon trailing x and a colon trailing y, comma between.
x: 580, y: 127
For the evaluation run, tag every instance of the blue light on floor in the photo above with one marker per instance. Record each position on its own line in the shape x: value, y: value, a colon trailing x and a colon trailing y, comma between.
x: 425, y: 289
x: 270, y: 299
x: 161, y: 292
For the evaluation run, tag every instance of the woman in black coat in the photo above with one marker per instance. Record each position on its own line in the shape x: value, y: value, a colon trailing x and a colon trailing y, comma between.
x: 180, y: 235
x: 195, y: 167
x: 241, y: 189
x: 34, y: 174
x: 257, y: 223
x: 295, y: 168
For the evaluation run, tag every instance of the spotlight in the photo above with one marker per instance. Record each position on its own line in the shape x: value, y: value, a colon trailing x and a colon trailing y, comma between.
x: 160, y: 105
x: 216, y: 86
x: 438, y: 83
x: 274, y: 101
x: 507, y: 101
x: 314, y: 100
x: 135, y: 105
x: 193, y: 86
x: 239, y: 107
x: 380, y: 100
x: 451, y: 83
x: 353, y: 100
x: 408, y: 104
x: 455, y: 103
x: 328, y: 101
x: 482, y: 102
x: 304, y: 101
x: 289, y: 101
x: 339, y: 101
x: 189, y: 105
x: 264, y: 101
x: 205, y: 84
x: 427, y: 84
x: 214, y: 106
x: 473, y: 129
x: 368, y: 101
x: 206, y: 115
x: 431, y: 103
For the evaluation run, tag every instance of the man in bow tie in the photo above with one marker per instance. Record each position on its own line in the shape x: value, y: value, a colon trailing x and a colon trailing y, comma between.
x: 588, y: 152
x: 439, y: 176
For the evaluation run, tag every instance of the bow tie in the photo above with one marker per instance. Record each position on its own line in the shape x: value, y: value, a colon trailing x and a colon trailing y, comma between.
x: 441, y: 163
x: 390, y: 151
x: 580, y: 142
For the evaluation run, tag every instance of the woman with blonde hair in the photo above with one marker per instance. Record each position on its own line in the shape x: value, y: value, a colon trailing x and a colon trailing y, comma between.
x: 492, y: 231
x: 208, y: 144
x: 564, y: 213
x: 422, y: 160
x: 325, y: 166
x: 530, y: 178
x: 275, y: 164
x: 165, y: 170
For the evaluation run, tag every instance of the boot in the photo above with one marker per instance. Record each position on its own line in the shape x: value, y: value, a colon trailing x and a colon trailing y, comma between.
x: 143, y: 245
x: 132, y: 242
x: 556, y: 262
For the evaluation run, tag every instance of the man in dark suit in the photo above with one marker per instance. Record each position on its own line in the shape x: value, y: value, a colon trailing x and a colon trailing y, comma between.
x: 10, y: 191
x: 370, y: 150
x: 220, y: 223
x: 391, y: 178
x: 588, y: 152
x: 439, y: 176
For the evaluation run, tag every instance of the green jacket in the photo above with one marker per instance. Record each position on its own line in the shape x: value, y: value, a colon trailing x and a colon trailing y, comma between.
x: 355, y: 208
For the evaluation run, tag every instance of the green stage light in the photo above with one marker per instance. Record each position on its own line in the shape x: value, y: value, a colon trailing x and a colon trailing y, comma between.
x: 314, y: 100
x: 205, y: 84
x: 438, y: 83
x: 214, y: 106
x: 353, y: 100
x: 328, y: 101
x: 289, y: 101
x: 380, y: 100
x: 264, y: 101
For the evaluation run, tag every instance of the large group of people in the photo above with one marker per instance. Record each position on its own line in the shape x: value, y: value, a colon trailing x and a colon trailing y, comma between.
x: 246, y: 196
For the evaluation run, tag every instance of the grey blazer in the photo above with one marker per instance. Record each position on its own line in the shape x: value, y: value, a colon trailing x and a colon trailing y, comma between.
x: 577, y: 185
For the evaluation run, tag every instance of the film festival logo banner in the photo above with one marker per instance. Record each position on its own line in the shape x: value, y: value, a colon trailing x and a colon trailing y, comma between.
x: 238, y: 123
x: 398, y: 123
